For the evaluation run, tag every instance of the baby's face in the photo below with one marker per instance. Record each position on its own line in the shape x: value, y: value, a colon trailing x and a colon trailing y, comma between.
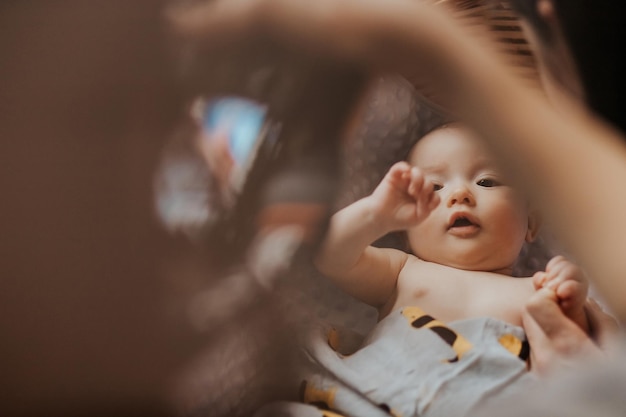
x: 481, y: 222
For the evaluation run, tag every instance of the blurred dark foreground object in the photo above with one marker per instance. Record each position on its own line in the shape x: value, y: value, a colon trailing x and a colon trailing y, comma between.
x: 87, y: 99
x: 294, y: 112
x: 266, y: 142
x: 95, y: 295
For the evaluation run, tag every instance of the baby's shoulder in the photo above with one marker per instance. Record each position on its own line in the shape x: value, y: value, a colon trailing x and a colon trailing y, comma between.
x: 413, y: 263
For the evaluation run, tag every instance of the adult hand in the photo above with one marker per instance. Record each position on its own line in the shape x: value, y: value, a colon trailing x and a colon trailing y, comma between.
x: 557, y: 341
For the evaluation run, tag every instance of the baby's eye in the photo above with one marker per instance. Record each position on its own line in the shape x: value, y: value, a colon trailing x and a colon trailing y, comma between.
x: 487, y: 182
x: 437, y: 187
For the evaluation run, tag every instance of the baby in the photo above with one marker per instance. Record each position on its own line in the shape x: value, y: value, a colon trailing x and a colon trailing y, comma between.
x: 466, y: 226
x: 450, y: 333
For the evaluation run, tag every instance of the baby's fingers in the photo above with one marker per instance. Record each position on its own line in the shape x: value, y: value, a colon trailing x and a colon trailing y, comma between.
x: 556, y: 264
x: 434, y: 199
x: 427, y: 200
x: 567, y: 271
x: 539, y: 279
x: 416, y: 184
x: 399, y: 170
x: 399, y: 175
x: 571, y: 293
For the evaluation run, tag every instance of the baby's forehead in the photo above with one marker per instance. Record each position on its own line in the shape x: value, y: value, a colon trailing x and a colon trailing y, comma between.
x: 443, y: 165
x: 450, y: 144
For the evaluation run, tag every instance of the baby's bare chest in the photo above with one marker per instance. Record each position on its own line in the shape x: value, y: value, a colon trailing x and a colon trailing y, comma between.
x: 450, y: 294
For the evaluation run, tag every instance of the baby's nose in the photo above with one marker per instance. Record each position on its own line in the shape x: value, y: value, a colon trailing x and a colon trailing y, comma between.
x: 461, y: 195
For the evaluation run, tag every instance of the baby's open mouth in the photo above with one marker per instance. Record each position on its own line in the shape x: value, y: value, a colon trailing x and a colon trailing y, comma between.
x: 463, y: 226
x: 461, y: 222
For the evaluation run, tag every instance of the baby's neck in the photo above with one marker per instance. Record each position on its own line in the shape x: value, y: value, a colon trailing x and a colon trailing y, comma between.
x: 508, y: 271
x: 470, y: 265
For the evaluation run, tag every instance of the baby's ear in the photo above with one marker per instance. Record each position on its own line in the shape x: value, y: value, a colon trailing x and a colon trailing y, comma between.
x: 534, y: 224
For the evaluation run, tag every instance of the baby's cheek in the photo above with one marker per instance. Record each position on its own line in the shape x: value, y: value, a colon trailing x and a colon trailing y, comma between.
x: 422, y: 238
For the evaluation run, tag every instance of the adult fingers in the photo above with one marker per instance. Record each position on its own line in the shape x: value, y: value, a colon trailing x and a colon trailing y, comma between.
x: 539, y: 278
x: 544, y: 310
x: 555, y: 340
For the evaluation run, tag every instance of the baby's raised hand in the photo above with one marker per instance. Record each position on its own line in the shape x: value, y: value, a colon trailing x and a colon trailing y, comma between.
x: 404, y: 197
x: 567, y: 281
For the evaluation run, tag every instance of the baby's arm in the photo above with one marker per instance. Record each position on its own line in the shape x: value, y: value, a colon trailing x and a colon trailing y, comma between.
x: 401, y: 200
x: 570, y: 286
